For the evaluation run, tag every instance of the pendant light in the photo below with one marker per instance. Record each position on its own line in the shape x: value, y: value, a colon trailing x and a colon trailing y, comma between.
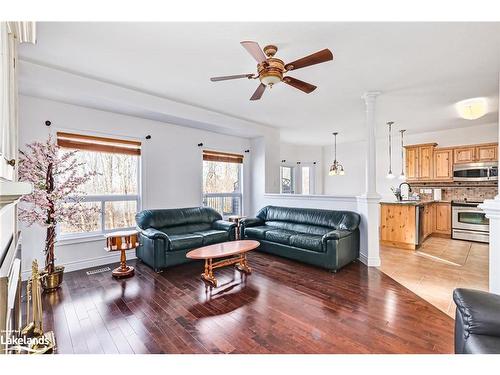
x: 402, y: 175
x: 336, y: 169
x: 390, y: 175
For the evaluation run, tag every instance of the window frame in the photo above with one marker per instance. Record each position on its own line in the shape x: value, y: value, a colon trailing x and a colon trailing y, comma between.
x: 293, y: 180
x: 103, y: 198
x: 239, y: 194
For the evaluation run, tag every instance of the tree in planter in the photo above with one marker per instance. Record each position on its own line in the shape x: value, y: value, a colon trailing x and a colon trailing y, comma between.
x: 56, y: 196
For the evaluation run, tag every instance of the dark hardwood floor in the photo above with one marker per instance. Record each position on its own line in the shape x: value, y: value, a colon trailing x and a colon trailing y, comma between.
x: 283, y: 307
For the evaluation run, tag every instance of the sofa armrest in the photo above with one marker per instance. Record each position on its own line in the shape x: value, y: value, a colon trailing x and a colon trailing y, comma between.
x: 336, y: 235
x: 480, y: 311
x: 154, y: 234
x: 251, y: 222
x: 223, y: 225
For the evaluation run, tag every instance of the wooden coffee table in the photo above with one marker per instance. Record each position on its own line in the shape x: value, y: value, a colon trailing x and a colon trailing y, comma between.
x: 234, y: 252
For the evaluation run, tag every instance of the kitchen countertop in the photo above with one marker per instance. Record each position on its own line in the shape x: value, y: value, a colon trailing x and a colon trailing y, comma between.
x: 414, y: 203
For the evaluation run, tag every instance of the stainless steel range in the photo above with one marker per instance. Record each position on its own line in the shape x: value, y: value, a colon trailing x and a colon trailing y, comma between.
x: 469, y: 222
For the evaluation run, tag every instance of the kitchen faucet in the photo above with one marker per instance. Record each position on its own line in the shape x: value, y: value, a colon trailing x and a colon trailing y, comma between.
x: 409, y: 190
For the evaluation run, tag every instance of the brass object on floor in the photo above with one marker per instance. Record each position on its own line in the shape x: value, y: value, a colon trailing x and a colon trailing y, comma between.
x: 37, y: 341
x: 52, y: 281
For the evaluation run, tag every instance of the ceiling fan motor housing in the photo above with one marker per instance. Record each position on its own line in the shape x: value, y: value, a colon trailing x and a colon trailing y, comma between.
x: 271, y: 71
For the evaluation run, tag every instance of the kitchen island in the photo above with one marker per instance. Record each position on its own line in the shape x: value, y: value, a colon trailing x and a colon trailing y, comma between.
x: 407, y: 224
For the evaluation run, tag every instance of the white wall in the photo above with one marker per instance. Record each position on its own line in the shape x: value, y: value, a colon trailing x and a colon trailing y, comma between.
x: 352, y: 156
x: 171, y: 165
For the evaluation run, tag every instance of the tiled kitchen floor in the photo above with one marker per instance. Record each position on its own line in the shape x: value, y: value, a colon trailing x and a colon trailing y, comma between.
x: 437, y: 267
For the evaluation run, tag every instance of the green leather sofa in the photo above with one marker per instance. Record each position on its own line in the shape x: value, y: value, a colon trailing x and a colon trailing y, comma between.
x: 166, y: 235
x: 324, y: 238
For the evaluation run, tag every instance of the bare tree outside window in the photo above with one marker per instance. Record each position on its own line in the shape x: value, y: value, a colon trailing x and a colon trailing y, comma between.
x: 115, y: 189
x: 222, y: 187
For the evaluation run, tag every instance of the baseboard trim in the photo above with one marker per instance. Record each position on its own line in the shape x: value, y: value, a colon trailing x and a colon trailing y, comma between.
x: 370, y: 262
x: 88, y: 263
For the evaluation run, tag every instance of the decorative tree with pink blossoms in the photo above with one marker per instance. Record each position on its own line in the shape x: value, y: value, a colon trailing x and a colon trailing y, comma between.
x: 56, y: 196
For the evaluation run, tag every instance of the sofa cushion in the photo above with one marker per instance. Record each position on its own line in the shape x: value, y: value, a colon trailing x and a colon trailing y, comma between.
x: 257, y: 232
x: 176, y: 216
x: 185, y: 241
x: 300, y: 228
x: 212, y: 236
x: 347, y: 220
x: 184, y: 229
x: 279, y: 236
x: 307, y: 241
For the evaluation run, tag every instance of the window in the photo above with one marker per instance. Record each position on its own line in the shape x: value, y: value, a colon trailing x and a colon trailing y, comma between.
x: 222, y: 182
x: 287, y: 180
x: 297, y: 179
x: 114, y: 190
x: 306, y: 182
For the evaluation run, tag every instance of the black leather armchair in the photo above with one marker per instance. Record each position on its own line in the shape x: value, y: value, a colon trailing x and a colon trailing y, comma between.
x: 167, y: 235
x: 477, y: 322
x: 324, y: 238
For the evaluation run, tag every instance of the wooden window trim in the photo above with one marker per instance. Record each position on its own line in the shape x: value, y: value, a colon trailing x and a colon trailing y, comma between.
x: 99, y: 144
x: 222, y: 157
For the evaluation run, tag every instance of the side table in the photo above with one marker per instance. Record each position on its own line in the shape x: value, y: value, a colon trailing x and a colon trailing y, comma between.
x: 237, y: 220
x: 122, y: 241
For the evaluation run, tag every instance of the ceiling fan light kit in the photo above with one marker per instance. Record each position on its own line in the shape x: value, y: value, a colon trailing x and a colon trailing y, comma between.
x: 271, y: 70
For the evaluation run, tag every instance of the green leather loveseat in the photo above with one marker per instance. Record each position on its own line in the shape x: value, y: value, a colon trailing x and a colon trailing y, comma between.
x: 324, y: 238
x: 166, y: 235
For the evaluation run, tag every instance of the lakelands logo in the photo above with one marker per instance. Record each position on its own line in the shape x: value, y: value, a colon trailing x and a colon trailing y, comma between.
x: 12, y: 338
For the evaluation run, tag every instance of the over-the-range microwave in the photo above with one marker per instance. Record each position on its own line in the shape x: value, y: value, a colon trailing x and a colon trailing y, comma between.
x: 487, y: 171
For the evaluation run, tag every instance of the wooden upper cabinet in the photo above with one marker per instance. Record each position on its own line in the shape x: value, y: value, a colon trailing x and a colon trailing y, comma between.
x: 443, y: 164
x: 425, y: 162
x: 464, y: 154
x: 486, y: 152
x: 411, y: 163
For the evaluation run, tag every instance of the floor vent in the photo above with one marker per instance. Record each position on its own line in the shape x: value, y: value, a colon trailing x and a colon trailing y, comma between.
x: 98, y: 270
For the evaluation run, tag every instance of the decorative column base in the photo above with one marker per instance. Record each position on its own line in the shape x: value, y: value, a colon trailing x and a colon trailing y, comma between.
x: 369, y: 209
x: 491, y: 207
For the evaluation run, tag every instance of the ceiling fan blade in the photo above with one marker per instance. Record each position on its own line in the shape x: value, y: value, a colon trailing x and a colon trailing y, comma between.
x: 254, y: 49
x: 224, y: 78
x: 298, y: 84
x: 258, y: 93
x: 315, y: 58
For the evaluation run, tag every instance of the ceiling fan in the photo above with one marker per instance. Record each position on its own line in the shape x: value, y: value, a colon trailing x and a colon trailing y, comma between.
x: 270, y: 70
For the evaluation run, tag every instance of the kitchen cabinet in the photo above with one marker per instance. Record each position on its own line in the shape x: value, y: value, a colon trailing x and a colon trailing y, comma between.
x: 443, y: 218
x: 398, y: 225
x: 428, y: 220
x: 411, y: 163
x: 443, y: 164
x: 398, y: 222
x: 463, y: 155
x: 486, y: 152
x: 419, y: 162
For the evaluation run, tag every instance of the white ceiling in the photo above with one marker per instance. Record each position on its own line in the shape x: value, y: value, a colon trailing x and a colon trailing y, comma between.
x: 422, y: 69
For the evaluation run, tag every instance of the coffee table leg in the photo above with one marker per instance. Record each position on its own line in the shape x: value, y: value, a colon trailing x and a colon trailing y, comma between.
x: 208, y: 275
x: 242, y: 265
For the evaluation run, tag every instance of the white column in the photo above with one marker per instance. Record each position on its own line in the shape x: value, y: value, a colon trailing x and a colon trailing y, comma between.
x: 492, y: 209
x: 369, y: 202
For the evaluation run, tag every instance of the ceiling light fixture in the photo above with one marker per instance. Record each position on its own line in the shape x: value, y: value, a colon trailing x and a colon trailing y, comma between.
x: 472, y: 109
x: 336, y: 169
x: 390, y: 175
x: 402, y: 175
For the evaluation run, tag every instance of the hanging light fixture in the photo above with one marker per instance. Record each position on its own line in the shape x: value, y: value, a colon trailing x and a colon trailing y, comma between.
x: 390, y: 175
x: 402, y: 175
x: 336, y: 169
